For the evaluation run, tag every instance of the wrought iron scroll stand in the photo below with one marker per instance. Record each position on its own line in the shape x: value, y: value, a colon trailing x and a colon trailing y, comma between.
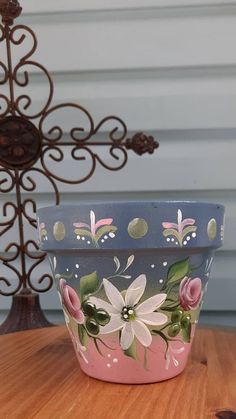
x: 26, y: 146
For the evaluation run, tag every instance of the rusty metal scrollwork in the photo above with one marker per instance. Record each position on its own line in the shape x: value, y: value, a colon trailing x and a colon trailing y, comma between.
x: 32, y: 142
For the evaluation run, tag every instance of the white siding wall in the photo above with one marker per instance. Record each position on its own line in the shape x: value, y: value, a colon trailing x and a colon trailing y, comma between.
x: 167, y: 67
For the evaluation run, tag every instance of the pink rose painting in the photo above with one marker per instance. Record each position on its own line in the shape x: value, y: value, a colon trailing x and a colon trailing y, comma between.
x: 71, y: 301
x: 190, y: 293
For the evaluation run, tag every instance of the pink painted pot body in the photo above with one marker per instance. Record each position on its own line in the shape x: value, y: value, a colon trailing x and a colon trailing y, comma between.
x: 131, y: 279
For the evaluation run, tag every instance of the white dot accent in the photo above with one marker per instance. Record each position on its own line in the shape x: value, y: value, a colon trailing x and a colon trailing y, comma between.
x: 188, y: 238
x: 106, y: 237
x: 102, y: 241
x: 88, y: 242
x: 131, y: 311
x: 46, y: 238
x: 164, y: 264
x: 77, y: 265
x: 109, y: 355
x: 76, y: 276
x: 172, y: 239
x: 112, y: 235
x: 78, y: 237
x: 126, y: 316
x: 194, y: 235
x: 176, y: 243
x: 168, y: 239
x: 185, y: 242
x: 83, y: 238
x: 153, y: 266
x: 115, y: 360
x: 67, y: 269
x: 108, y: 365
x: 161, y: 281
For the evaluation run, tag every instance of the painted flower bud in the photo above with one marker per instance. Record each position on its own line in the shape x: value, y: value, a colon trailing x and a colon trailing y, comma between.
x: 92, y: 326
x: 102, y: 317
x: 186, y: 321
x: 89, y: 308
x: 174, y: 329
x: 176, y: 316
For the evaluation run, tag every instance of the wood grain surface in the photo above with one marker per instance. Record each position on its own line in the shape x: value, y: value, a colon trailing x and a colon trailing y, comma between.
x: 40, y: 378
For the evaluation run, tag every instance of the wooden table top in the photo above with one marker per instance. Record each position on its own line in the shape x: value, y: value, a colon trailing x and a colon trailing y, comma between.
x: 40, y: 378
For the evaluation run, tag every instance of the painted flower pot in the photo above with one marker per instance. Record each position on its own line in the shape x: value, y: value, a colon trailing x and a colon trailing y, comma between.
x: 131, y: 278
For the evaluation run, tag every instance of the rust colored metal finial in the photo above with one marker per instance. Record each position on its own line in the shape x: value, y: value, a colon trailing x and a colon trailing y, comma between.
x: 9, y: 10
x: 141, y: 144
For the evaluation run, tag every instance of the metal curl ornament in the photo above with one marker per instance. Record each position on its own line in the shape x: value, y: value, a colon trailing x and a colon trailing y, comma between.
x: 30, y: 137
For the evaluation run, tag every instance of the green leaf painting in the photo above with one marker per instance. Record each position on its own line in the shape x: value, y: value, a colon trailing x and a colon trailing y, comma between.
x: 88, y: 284
x: 132, y: 350
x: 186, y: 331
x: 83, y: 232
x: 104, y: 230
x: 83, y: 336
x: 178, y: 271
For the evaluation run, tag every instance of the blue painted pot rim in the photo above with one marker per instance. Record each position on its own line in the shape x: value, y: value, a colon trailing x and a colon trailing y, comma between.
x: 131, y: 225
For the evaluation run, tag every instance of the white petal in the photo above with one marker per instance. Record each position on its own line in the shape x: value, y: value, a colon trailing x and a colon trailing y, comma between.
x: 167, y: 361
x: 103, y: 304
x: 176, y: 363
x: 84, y: 357
x: 129, y: 262
x: 127, y: 336
x: 117, y: 262
x: 141, y: 332
x: 178, y: 351
x: 92, y: 219
x: 115, y: 323
x: 135, y: 290
x: 80, y: 347
x: 151, y: 304
x: 180, y: 216
x: 113, y: 295
x: 155, y: 319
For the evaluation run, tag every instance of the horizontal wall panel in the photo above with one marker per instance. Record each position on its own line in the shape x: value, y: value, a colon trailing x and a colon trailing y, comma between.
x: 152, y: 103
x: 220, y: 296
x: 182, y: 166
x: 93, y: 5
x: 136, y: 43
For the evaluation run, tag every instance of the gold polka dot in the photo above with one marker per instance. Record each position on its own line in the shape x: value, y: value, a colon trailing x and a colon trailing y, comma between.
x: 59, y: 231
x: 137, y: 228
x: 212, y: 229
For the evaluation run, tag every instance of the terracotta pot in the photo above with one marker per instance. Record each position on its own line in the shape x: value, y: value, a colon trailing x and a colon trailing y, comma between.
x: 131, y: 278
